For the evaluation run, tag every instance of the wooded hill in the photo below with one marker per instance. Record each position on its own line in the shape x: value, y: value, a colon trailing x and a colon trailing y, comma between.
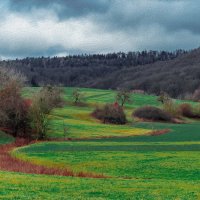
x: 177, y: 73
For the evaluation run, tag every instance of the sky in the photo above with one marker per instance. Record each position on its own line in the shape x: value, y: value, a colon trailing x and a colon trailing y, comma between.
x: 63, y: 27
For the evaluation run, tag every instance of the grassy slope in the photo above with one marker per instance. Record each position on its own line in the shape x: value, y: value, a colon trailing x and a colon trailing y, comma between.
x: 162, y: 174
x: 81, y: 125
x: 119, y: 160
x: 79, y: 120
x: 169, y: 156
x: 20, y: 186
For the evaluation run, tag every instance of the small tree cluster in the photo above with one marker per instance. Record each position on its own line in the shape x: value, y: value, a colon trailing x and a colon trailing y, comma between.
x: 110, y: 114
x: 13, y: 108
x: 25, y: 118
x: 43, y: 102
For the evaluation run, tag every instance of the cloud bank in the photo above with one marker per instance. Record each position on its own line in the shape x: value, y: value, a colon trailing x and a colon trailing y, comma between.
x: 43, y: 28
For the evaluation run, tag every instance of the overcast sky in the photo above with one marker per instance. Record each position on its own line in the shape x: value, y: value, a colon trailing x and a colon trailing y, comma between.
x: 62, y: 27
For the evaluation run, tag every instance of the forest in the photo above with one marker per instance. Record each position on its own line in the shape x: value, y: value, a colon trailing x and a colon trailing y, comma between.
x: 150, y: 71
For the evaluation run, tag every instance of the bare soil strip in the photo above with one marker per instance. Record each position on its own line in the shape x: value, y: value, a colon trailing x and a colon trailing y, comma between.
x: 9, y: 163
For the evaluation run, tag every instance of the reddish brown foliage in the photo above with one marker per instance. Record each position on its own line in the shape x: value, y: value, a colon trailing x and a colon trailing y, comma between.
x: 13, y: 110
x: 110, y: 113
x: 160, y: 132
x: 152, y: 113
x: 9, y: 163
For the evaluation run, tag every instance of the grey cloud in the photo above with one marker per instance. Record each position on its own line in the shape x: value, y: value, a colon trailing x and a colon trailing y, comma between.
x: 63, y: 8
x: 46, y: 27
x: 172, y: 15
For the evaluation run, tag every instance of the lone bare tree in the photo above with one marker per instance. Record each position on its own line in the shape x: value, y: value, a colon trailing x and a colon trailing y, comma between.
x: 123, y: 96
x: 77, y: 96
x: 163, y: 98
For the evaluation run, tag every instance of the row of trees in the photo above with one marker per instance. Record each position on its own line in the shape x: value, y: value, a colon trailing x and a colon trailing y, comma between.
x: 114, y: 70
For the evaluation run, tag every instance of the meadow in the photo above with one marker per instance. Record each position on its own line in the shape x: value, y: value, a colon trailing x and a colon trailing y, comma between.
x: 136, y: 164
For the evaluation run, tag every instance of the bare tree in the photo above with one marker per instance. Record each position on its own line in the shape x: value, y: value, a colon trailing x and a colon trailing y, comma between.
x: 123, y: 96
x: 163, y: 98
x: 77, y: 96
x: 13, y: 108
x: 43, y: 103
x: 8, y: 75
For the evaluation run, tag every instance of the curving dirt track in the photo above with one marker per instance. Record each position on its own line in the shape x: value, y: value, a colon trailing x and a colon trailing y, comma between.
x: 9, y: 163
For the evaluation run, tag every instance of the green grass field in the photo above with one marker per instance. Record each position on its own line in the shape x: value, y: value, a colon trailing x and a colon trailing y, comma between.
x: 139, y: 166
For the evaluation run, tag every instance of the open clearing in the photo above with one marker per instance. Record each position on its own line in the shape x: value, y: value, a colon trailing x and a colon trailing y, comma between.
x: 138, y: 165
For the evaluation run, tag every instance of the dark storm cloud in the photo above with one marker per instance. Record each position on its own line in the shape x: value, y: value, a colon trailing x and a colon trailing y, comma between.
x: 46, y: 27
x: 173, y: 15
x: 64, y: 8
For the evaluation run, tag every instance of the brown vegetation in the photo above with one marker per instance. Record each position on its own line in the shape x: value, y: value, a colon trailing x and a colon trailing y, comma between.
x: 172, y: 109
x: 43, y: 102
x: 159, y: 132
x: 13, y: 108
x: 152, y: 113
x: 9, y: 163
x: 110, y: 113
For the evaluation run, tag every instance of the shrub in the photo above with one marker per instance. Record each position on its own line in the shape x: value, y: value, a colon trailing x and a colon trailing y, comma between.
x: 152, y: 113
x: 196, y: 111
x: 172, y: 108
x: 110, y: 114
x: 186, y: 110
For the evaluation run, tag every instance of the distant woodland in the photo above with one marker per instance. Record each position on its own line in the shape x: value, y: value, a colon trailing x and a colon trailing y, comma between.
x: 177, y: 73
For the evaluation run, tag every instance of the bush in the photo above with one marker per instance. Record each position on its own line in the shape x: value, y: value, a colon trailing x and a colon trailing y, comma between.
x: 152, y: 113
x: 186, y: 110
x: 110, y: 114
x: 172, y: 108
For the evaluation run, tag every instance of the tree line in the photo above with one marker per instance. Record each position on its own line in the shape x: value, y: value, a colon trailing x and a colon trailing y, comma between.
x: 106, y: 71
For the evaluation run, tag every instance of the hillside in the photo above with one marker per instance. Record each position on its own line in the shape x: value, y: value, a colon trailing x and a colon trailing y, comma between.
x: 103, y: 161
x: 177, y: 77
x: 149, y: 71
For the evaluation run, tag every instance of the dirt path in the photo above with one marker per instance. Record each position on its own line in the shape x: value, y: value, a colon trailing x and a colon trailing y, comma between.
x: 9, y: 163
